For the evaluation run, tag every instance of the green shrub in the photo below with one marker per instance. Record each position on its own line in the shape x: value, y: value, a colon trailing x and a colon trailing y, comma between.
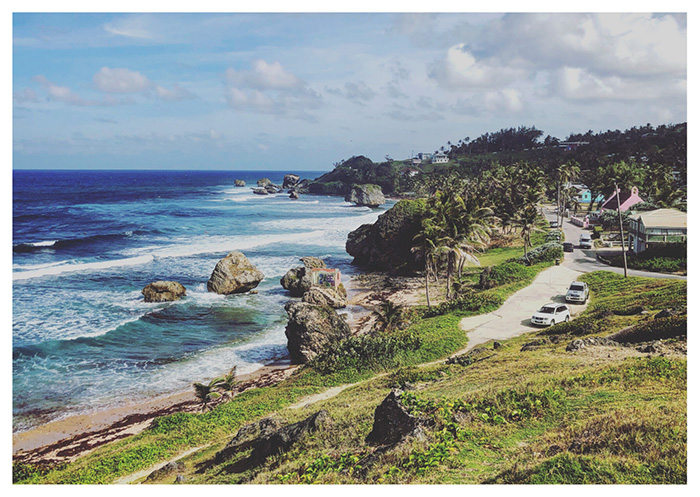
x: 506, y: 272
x: 654, y: 329
x: 544, y: 253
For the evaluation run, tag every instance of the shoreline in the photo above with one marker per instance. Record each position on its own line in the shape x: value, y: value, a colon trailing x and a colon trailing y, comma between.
x: 65, y: 439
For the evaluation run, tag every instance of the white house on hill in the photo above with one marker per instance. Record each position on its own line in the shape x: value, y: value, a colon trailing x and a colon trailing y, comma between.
x: 657, y: 227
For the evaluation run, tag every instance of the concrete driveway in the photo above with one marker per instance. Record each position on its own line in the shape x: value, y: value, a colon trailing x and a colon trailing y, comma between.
x: 513, y: 317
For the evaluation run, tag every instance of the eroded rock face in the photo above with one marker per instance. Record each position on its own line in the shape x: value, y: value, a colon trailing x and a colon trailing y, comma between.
x: 163, y: 291
x: 294, y: 195
x: 367, y: 195
x: 297, y: 281
x: 239, y: 182
x: 260, y: 191
x: 387, y: 244
x: 311, y: 329
x: 393, y: 422
x: 290, y: 180
x: 319, y: 295
x: 234, y: 274
x: 263, y: 182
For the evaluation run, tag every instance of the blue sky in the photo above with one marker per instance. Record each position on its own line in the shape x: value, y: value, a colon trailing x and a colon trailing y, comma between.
x: 302, y: 91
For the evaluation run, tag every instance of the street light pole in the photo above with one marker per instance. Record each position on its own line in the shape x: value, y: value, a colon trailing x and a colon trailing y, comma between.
x: 622, y: 239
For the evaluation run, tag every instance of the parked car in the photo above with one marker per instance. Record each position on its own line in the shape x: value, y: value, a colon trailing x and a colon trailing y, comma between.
x: 585, y: 241
x: 550, y: 314
x: 577, y: 292
x: 553, y: 224
x: 568, y: 247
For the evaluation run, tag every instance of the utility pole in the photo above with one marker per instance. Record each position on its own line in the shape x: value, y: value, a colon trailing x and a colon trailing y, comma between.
x: 619, y: 213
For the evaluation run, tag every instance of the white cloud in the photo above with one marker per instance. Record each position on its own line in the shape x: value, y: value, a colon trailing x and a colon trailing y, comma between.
x: 63, y: 93
x: 460, y: 69
x: 25, y: 95
x: 137, y: 27
x: 264, y: 76
x: 121, y: 80
x: 575, y: 83
x: 507, y: 100
x: 355, y: 92
x: 175, y: 95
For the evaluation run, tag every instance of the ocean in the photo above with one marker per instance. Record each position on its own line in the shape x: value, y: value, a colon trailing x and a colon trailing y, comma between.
x: 85, y: 243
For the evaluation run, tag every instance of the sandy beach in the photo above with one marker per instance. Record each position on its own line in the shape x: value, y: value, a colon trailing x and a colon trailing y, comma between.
x: 66, y: 439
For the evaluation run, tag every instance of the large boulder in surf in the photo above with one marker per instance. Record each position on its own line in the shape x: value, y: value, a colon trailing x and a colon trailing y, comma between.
x: 290, y: 180
x: 312, y: 329
x: 263, y: 182
x: 239, y: 182
x: 260, y: 191
x: 388, y: 244
x: 366, y: 195
x: 298, y: 280
x: 163, y: 291
x: 320, y: 295
x: 234, y: 274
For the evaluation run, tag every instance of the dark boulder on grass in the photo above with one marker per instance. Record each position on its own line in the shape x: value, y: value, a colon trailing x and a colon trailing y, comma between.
x: 246, y: 436
x: 166, y: 469
x: 393, y: 422
x: 163, y: 291
x: 311, y: 329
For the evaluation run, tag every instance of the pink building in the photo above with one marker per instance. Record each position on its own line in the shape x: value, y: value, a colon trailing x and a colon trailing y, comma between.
x: 627, y: 200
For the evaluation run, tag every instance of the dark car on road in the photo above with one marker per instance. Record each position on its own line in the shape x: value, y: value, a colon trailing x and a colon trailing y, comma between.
x: 568, y: 247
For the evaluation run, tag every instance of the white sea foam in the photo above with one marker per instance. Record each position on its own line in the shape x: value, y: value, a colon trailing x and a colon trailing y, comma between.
x: 47, y: 243
x: 91, y: 266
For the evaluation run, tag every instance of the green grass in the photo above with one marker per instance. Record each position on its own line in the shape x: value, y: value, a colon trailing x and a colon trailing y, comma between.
x: 542, y: 416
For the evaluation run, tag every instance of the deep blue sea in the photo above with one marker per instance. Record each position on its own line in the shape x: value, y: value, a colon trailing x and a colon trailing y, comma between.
x: 85, y: 243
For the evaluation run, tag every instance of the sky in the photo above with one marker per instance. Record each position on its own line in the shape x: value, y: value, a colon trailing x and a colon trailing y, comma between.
x: 303, y: 91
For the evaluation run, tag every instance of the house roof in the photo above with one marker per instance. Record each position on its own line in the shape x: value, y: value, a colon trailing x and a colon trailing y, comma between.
x: 663, y: 218
x: 611, y: 203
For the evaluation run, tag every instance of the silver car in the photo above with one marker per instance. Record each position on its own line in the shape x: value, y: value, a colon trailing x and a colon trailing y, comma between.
x: 577, y: 292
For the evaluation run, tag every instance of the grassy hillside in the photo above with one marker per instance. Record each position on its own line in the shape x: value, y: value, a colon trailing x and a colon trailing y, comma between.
x: 603, y: 414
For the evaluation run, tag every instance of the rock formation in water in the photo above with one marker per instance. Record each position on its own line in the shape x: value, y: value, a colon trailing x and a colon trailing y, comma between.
x: 367, y: 195
x: 234, y: 274
x: 163, y: 291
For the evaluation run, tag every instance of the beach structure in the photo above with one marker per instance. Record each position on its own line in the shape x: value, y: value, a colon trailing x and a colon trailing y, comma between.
x: 657, y: 227
x: 326, y: 277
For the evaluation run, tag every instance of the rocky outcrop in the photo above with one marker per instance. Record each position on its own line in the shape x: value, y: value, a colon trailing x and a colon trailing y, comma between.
x: 580, y: 344
x: 268, y: 438
x: 234, y: 274
x: 290, y: 180
x: 239, y: 182
x: 393, y: 423
x: 263, y: 182
x: 301, y: 187
x: 260, y: 191
x: 296, y: 280
x: 319, y: 295
x: 311, y: 329
x: 387, y: 244
x: 167, y: 469
x: 366, y: 195
x: 294, y: 195
x: 163, y: 291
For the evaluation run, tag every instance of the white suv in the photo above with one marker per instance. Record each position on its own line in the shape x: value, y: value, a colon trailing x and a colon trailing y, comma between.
x: 585, y: 241
x: 550, y: 314
x: 577, y: 292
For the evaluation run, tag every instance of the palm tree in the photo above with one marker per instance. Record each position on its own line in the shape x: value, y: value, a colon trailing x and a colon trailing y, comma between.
x: 426, y: 243
x: 207, y: 393
x: 228, y: 382
x: 527, y: 222
x: 389, y: 316
x: 565, y: 174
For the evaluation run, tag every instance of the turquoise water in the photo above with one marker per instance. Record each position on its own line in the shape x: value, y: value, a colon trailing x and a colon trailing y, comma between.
x: 86, y: 243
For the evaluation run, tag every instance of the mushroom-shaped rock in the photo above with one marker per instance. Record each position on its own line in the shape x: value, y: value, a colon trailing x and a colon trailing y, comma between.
x: 239, y: 182
x: 234, y: 274
x: 393, y: 422
x: 312, y: 329
x: 367, y: 195
x: 163, y: 291
x: 319, y: 295
x: 290, y: 180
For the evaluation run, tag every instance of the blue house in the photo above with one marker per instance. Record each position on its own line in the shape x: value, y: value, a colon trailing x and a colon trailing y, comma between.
x: 583, y: 195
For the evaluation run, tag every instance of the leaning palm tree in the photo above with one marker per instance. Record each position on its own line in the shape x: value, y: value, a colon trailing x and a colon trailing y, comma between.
x: 228, y: 382
x: 206, y: 392
x: 566, y: 173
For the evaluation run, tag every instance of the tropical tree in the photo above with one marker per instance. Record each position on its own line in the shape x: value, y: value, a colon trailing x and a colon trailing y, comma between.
x: 527, y: 222
x: 389, y: 316
x: 207, y: 392
x: 566, y: 173
x: 228, y: 382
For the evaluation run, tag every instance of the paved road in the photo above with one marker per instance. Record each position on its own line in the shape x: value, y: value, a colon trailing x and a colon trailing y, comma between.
x: 584, y: 260
x: 513, y: 317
